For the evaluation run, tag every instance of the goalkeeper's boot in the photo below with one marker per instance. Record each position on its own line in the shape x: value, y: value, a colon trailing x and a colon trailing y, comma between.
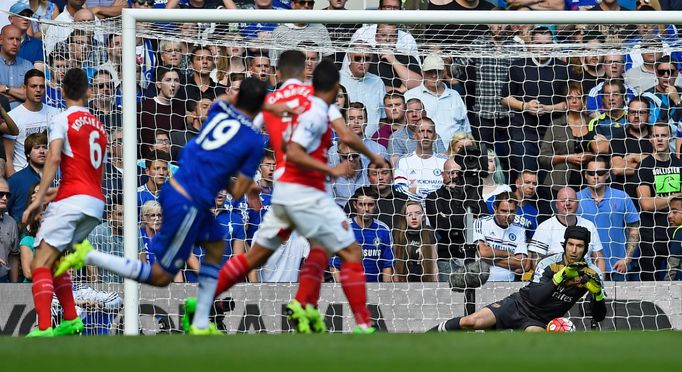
x: 298, y: 316
x: 75, y: 260
x: 315, y: 319
x: 188, y: 316
x: 212, y: 330
x: 364, y: 330
x: 36, y: 332
x: 69, y: 327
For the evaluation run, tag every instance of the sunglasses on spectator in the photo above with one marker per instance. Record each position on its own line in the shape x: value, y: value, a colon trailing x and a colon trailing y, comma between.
x: 666, y: 71
x: 601, y: 172
x: 349, y: 157
x: 6, y: 194
x: 361, y: 58
x: 309, y: 3
x: 103, y: 85
x: 145, y: 2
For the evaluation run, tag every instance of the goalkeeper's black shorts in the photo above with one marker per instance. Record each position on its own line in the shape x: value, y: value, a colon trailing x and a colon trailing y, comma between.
x: 509, y: 315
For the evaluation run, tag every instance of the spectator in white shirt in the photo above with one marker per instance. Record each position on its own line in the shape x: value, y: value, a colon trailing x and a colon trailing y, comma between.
x: 364, y: 87
x: 405, y: 44
x: 419, y: 174
x: 502, y: 242
x: 549, y: 236
x: 442, y: 104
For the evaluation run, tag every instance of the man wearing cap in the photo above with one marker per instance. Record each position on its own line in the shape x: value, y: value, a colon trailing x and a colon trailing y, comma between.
x: 558, y: 283
x: 31, y: 49
x: 442, y: 104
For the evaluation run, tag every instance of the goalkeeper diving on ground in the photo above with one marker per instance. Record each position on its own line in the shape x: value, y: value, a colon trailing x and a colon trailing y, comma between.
x: 558, y: 283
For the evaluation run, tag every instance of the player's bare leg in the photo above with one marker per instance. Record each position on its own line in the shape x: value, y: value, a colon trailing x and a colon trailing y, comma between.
x: 44, y: 285
x: 353, y: 284
x: 482, y: 319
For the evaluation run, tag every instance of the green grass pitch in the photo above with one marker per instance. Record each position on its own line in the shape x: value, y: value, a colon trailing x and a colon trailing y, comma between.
x: 491, y: 351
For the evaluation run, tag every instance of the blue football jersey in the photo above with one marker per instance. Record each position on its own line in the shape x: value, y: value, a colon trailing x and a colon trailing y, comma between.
x: 255, y: 217
x: 376, y: 243
x: 228, y: 144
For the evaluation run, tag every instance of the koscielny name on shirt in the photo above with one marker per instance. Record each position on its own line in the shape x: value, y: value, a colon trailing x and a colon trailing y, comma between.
x: 87, y: 120
x: 285, y: 93
x: 669, y: 170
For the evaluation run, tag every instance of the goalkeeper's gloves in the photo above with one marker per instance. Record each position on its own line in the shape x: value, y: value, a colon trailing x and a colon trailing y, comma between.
x: 568, y: 272
x: 592, y: 283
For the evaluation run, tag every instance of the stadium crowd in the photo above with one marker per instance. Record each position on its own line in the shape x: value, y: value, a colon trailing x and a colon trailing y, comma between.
x: 528, y: 145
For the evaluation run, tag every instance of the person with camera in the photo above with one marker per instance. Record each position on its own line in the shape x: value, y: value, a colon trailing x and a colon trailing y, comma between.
x: 446, y: 207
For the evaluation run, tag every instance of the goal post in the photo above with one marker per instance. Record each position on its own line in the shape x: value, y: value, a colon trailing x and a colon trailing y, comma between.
x: 131, y: 17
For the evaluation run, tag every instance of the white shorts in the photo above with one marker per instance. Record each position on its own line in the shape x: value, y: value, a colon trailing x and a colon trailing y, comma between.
x: 321, y: 220
x: 65, y: 224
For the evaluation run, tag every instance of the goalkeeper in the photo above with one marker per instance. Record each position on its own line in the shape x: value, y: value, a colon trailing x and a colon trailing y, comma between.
x: 558, y: 283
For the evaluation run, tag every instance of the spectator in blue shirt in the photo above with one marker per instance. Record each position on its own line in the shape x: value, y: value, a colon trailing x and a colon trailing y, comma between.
x: 156, y: 169
x: 35, y: 148
x: 12, y: 67
x: 266, y: 170
x: 234, y: 227
x: 259, y: 30
x: 615, y: 216
x: 151, y: 220
x: 58, y: 64
x: 373, y: 236
x: 31, y: 49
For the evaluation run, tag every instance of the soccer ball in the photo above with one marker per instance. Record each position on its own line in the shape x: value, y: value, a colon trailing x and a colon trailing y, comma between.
x: 560, y: 325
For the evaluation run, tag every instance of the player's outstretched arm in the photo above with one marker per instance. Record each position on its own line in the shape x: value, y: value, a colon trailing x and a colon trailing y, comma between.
x: 54, y: 158
x: 353, y: 141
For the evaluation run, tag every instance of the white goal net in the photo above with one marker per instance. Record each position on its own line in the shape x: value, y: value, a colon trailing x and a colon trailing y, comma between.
x: 529, y: 127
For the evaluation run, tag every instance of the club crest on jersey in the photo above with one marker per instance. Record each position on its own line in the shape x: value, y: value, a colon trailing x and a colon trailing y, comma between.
x: 437, y: 172
x: 512, y: 237
x: 377, y: 241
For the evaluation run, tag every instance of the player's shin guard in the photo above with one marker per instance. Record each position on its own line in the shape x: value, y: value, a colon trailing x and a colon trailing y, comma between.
x: 208, y: 280
x: 448, y: 325
x: 232, y: 273
x: 42, y: 296
x: 353, y: 284
x: 310, y: 277
x: 63, y: 288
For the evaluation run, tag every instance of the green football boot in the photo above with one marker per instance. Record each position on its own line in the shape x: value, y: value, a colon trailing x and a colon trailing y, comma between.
x: 74, y: 260
x: 315, y: 319
x: 36, y: 332
x: 364, y: 330
x: 188, y: 316
x: 212, y: 330
x: 69, y: 327
x: 298, y: 316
